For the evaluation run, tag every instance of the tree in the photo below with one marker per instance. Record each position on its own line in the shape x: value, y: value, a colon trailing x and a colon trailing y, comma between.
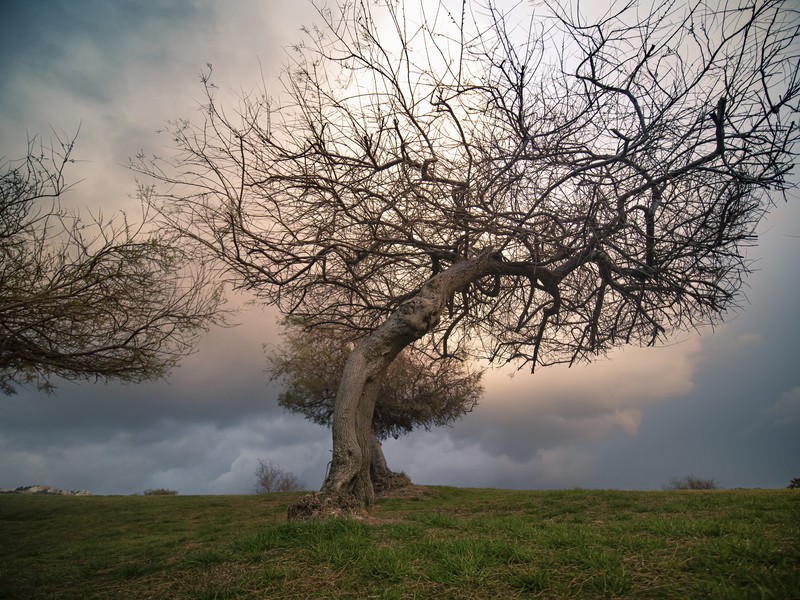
x: 161, y: 492
x: 521, y: 186
x: 271, y: 478
x: 691, y: 482
x: 416, y: 392
x: 88, y: 300
x: 794, y: 484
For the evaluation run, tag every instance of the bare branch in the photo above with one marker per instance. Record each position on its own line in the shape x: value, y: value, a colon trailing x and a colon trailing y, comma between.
x: 89, y: 300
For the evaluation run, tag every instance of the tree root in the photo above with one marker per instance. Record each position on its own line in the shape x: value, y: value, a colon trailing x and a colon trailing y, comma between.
x: 320, y: 505
x: 390, y: 482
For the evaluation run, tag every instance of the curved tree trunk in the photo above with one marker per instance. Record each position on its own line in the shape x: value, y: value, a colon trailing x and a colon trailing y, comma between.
x: 347, y: 487
x: 364, y: 372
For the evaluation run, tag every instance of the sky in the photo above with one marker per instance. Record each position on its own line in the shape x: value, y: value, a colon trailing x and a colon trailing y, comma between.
x: 722, y: 404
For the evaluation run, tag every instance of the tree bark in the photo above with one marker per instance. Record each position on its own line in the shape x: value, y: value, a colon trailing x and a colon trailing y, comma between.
x: 378, y: 467
x: 348, y: 487
x: 363, y: 374
x: 383, y: 478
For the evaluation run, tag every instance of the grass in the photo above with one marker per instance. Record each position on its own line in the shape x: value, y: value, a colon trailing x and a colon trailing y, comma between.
x: 446, y: 543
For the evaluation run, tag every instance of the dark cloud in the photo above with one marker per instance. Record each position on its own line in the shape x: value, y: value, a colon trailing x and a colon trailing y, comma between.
x: 192, y: 457
x: 82, y: 50
x: 224, y: 381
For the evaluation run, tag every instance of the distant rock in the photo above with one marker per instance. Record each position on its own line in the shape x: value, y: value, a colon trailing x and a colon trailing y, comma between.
x: 45, y: 490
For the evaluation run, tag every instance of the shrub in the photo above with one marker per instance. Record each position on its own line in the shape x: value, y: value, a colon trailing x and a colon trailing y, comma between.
x: 271, y: 478
x: 794, y: 484
x: 691, y: 482
x: 160, y: 492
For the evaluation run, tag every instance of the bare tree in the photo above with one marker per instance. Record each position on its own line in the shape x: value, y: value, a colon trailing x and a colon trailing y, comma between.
x: 417, y: 392
x: 271, y: 478
x: 523, y: 186
x: 88, y: 300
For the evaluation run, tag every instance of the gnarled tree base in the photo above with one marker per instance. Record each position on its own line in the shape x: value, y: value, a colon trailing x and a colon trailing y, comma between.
x: 390, y: 481
x: 320, y: 505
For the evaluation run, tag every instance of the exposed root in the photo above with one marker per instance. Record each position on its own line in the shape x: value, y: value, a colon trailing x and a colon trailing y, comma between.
x: 390, y: 482
x: 323, y: 506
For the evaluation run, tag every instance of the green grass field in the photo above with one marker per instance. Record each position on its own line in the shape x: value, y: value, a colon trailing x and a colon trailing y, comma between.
x: 443, y: 543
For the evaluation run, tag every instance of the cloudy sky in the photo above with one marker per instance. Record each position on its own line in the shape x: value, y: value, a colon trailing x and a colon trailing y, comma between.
x: 723, y: 404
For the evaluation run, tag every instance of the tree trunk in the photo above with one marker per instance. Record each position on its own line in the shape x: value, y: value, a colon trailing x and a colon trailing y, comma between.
x: 383, y: 478
x: 347, y: 487
x: 378, y: 468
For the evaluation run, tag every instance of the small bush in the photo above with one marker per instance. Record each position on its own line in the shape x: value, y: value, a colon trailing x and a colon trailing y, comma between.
x: 271, y: 478
x: 794, y: 484
x: 691, y: 482
x: 160, y: 492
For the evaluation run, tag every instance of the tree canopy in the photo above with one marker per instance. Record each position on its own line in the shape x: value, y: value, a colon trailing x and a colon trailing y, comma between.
x: 97, y: 299
x: 418, y: 392
x: 611, y: 174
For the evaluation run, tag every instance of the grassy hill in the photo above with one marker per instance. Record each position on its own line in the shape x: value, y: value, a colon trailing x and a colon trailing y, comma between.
x: 440, y: 543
